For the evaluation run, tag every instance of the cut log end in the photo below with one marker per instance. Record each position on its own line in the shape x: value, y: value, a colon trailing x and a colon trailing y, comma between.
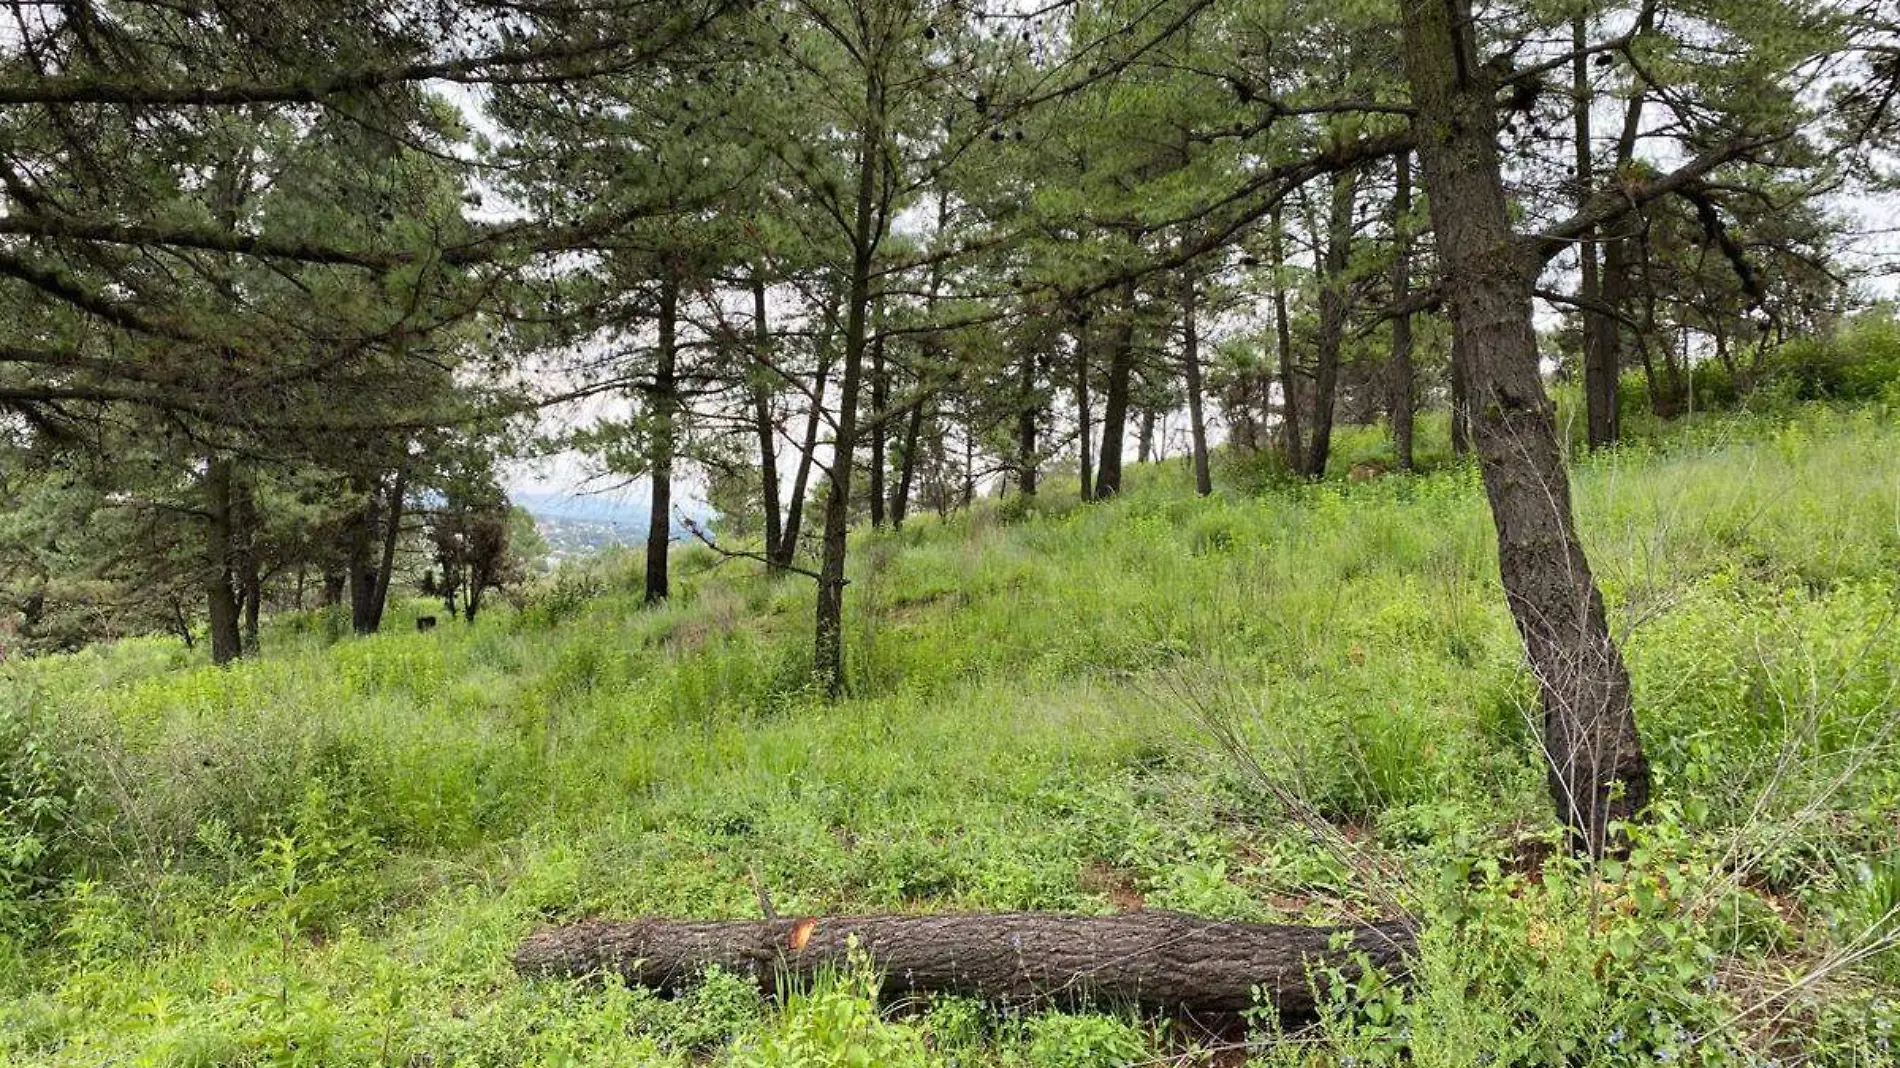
x: 1159, y: 961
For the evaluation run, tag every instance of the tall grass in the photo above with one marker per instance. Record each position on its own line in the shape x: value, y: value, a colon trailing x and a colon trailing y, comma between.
x: 324, y: 856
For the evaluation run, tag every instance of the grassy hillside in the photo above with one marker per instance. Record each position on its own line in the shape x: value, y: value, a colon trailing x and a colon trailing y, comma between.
x: 326, y: 856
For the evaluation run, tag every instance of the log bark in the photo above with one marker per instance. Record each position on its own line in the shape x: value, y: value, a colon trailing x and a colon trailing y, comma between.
x: 1157, y: 960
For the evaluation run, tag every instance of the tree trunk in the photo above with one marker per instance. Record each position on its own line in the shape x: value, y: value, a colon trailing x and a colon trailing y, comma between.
x: 1402, y: 402
x: 1290, y: 437
x: 880, y: 396
x: 1332, y: 320
x: 660, y: 459
x: 1084, y: 337
x: 1598, y: 773
x: 907, y: 470
x: 221, y: 602
x: 766, y: 425
x: 1156, y: 960
x: 795, y: 510
x: 1460, y: 401
x: 1191, y: 367
x: 1027, y: 413
x: 1121, y: 369
x: 828, y: 636
x: 1145, y: 448
x: 361, y: 571
x: 249, y: 569
x: 385, y: 574
x: 1599, y: 331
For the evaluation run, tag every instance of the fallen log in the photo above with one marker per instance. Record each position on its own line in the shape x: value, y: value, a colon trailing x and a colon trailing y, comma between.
x: 1156, y: 960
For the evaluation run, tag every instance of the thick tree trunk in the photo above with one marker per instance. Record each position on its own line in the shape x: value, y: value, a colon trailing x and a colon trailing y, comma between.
x: 880, y: 396
x: 1191, y: 367
x: 828, y: 620
x: 1121, y: 370
x: 763, y: 420
x: 1290, y: 438
x: 1157, y: 960
x: 660, y: 458
x: 1598, y: 773
x: 1401, y: 401
x: 221, y: 601
x: 1332, y: 321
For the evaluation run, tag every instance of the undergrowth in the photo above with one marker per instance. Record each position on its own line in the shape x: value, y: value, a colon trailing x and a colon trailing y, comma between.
x: 324, y: 857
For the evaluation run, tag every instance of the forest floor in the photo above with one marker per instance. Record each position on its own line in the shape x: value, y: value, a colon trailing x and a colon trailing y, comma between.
x: 326, y: 856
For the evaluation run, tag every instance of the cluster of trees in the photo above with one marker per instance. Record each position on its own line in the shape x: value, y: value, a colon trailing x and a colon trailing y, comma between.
x: 283, y: 278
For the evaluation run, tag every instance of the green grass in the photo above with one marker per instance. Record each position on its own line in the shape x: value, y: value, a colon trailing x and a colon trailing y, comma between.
x: 325, y: 857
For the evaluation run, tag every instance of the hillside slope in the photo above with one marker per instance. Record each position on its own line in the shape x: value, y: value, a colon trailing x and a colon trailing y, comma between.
x: 1276, y: 704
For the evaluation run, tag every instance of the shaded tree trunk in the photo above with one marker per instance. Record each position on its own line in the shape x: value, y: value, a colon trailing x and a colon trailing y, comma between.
x: 660, y: 458
x: 1597, y: 770
x: 763, y: 420
x: 1155, y: 960
x: 1121, y: 369
x: 1332, y: 320
x: 1145, y: 448
x: 1191, y: 368
x: 1402, y: 403
x: 221, y: 598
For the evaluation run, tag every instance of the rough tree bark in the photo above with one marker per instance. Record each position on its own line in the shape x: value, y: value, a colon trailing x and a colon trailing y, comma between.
x: 1401, y: 403
x: 1157, y: 960
x: 1598, y: 773
x: 660, y: 457
x: 1121, y: 370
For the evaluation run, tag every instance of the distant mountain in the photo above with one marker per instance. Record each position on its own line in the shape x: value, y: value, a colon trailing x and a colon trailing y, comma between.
x: 578, y: 524
x: 591, y: 508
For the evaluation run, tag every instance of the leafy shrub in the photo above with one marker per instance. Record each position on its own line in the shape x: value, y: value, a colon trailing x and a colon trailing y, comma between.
x: 39, y: 796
